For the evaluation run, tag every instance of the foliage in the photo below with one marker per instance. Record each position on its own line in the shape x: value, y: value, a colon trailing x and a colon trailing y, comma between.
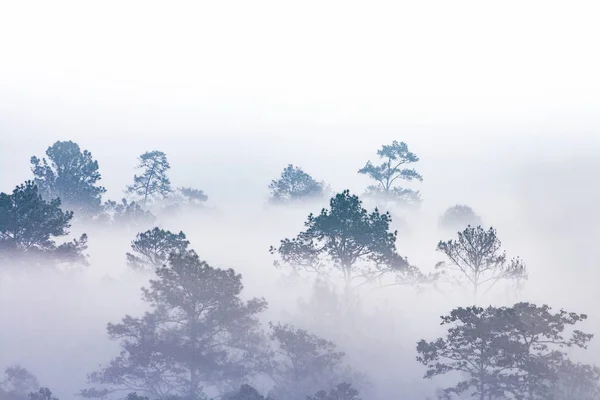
x: 458, y: 217
x: 343, y: 391
x: 185, y: 199
x: 245, y: 392
x: 198, y: 333
x: 71, y: 175
x: 394, y: 158
x: 126, y: 214
x: 508, y: 352
x: 357, y: 243
x: 476, y: 263
x: 577, y: 381
x: 29, y: 224
x: 42, y: 394
x: 295, y: 185
x: 19, y: 381
x: 153, y: 248
x: 303, y: 361
x: 154, y: 181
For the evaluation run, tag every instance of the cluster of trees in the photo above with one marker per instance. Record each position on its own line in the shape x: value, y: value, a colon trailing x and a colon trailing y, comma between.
x: 200, y: 338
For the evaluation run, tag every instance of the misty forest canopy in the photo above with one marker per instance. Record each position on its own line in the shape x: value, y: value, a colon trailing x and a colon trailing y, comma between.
x: 70, y: 175
x: 346, y: 238
x: 29, y: 226
x: 202, y: 337
x: 391, y: 169
x: 295, y: 185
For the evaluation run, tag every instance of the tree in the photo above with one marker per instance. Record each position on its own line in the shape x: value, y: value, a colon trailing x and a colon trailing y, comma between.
x: 577, y: 381
x: 154, y: 247
x: 508, y: 352
x: 126, y: 214
x: 198, y: 333
x: 71, y: 175
x: 186, y: 199
x: 42, y: 394
x: 343, y: 391
x: 476, y: 263
x: 295, y: 185
x: 154, y: 180
x: 19, y: 381
x: 356, y: 243
x: 245, y: 392
x: 29, y: 224
x: 303, y: 361
x: 458, y: 217
x: 394, y: 158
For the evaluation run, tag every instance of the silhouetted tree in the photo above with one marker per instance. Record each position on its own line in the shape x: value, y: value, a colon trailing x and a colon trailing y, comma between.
x: 42, y: 394
x: 354, y: 242
x: 197, y: 333
x: 29, y: 224
x: 126, y: 214
x: 476, y: 263
x: 185, y: 199
x: 302, y: 362
x: 343, y: 391
x: 153, y: 248
x: 71, y: 175
x: 245, y: 392
x: 154, y: 180
x: 19, y: 381
x: 508, y: 352
x: 295, y: 185
x: 394, y: 157
x: 459, y: 217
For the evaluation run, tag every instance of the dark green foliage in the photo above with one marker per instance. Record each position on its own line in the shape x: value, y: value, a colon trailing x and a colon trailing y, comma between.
x: 42, y: 394
x: 508, y: 352
x: 295, y: 185
x: 343, y: 391
x: 394, y: 158
x: 154, y: 182
x: 126, y: 214
x: 303, y: 361
x: 350, y: 240
x: 198, y: 333
x: 476, y: 263
x: 459, y: 217
x: 29, y: 224
x: 153, y: 248
x: 71, y: 175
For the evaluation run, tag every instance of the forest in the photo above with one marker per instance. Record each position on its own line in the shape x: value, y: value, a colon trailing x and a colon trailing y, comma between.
x: 336, y: 310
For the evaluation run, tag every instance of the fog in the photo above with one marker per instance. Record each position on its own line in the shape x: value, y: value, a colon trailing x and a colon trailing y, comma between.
x: 500, y: 103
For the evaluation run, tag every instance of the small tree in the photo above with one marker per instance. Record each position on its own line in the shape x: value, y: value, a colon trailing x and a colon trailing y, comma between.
x: 153, y: 248
x: 476, y: 263
x: 42, y: 394
x: 392, y: 168
x: 71, y: 175
x: 303, y: 361
x: 459, y: 217
x: 295, y: 185
x: 508, y: 352
x: 29, y: 224
x: 198, y: 333
x: 343, y: 391
x: 19, y: 381
x: 126, y: 214
x: 354, y: 242
x: 154, y: 180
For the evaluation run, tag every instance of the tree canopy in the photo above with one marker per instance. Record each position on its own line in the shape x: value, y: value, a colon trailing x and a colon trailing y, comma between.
x: 153, y: 248
x: 476, y: 262
x: 459, y: 217
x: 29, y: 225
x: 507, y: 352
x: 295, y: 185
x: 71, y: 175
x: 198, y: 333
x: 348, y: 239
x: 392, y: 169
x: 154, y: 181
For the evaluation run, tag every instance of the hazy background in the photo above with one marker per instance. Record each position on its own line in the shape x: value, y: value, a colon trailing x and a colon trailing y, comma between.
x: 499, y: 100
